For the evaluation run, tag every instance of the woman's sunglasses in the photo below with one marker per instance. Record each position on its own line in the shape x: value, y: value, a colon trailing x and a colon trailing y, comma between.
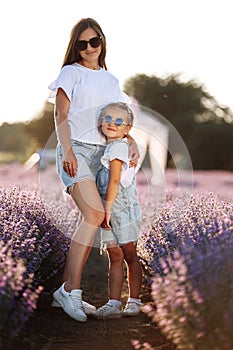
x: 118, y: 121
x: 94, y: 42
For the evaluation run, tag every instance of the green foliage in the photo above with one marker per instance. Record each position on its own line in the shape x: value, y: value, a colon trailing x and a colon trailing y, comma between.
x: 205, y: 127
x: 15, y: 143
x: 42, y: 127
x: 20, y: 140
x: 212, y: 146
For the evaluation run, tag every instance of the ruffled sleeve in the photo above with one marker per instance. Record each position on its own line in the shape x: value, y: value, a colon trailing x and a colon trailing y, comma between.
x: 116, y: 150
x: 66, y: 81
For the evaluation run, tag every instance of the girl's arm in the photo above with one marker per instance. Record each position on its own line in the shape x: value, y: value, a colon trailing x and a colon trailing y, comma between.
x: 115, y: 176
x: 61, y: 113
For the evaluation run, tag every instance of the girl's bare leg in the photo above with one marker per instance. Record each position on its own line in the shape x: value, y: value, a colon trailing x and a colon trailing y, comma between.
x: 116, y: 272
x: 87, y: 198
x: 134, y: 270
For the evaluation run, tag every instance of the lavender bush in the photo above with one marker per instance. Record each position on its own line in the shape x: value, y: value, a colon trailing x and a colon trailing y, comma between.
x: 189, y: 258
x: 18, y: 296
x: 33, y: 235
x: 33, y: 249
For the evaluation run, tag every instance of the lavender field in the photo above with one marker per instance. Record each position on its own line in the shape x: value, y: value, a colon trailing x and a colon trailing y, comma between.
x: 185, y: 247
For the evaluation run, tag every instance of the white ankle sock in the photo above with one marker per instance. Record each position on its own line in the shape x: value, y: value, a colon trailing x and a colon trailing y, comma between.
x: 115, y: 302
x: 76, y: 290
x: 134, y: 300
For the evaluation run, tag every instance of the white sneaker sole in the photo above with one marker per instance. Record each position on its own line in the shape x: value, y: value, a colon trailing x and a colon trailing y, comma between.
x: 106, y: 317
x: 127, y: 314
x: 78, y: 317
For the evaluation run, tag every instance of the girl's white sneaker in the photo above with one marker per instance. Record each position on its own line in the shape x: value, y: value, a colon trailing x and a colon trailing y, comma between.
x: 132, y: 309
x: 107, y: 311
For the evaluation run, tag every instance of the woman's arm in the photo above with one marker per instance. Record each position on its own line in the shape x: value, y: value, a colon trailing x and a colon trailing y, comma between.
x: 61, y: 113
x: 114, y: 180
x: 133, y: 151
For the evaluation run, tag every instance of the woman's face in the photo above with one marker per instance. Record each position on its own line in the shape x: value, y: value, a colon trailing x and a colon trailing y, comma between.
x: 90, y: 54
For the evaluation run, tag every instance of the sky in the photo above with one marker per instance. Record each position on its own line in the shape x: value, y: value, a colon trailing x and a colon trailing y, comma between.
x: 153, y: 37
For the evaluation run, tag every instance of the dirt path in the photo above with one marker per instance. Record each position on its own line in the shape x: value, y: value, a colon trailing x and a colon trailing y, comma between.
x: 52, y: 329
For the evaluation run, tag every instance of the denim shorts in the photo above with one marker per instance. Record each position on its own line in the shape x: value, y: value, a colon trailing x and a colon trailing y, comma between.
x: 88, y: 157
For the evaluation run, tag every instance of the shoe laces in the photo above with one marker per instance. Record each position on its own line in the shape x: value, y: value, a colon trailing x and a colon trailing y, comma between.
x: 132, y: 305
x: 77, y: 302
x: 106, y: 307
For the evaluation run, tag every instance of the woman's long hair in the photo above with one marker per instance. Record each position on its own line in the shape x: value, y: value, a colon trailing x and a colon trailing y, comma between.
x: 72, y: 53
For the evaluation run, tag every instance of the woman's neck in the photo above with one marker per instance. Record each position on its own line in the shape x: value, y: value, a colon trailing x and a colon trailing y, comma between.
x: 90, y: 65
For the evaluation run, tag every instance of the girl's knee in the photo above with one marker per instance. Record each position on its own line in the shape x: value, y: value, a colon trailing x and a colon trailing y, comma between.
x: 130, y: 252
x: 116, y: 254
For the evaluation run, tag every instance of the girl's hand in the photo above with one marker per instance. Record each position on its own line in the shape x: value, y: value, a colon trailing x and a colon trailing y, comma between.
x: 70, y: 164
x: 106, y: 223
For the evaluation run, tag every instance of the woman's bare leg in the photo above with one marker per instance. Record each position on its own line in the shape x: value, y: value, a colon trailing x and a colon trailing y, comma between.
x: 87, y: 198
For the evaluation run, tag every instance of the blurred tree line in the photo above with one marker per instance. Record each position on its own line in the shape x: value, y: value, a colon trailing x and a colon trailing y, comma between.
x: 19, y: 141
x: 205, y: 127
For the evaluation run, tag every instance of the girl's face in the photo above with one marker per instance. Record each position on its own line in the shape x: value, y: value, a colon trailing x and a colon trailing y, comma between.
x: 90, y: 55
x: 110, y: 129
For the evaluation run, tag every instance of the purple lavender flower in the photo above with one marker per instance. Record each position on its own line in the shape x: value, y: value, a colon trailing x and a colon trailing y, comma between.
x: 33, y: 249
x: 189, y: 260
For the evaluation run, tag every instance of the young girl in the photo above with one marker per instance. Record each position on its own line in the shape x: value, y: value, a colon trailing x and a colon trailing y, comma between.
x: 120, y: 228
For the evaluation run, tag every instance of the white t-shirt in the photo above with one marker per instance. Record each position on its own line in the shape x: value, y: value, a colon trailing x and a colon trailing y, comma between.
x: 88, y: 91
x: 119, y: 149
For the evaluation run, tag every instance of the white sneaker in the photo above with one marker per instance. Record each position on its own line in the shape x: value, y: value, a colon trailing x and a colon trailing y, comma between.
x: 71, y: 302
x: 107, y: 311
x: 132, y: 309
x: 88, y: 308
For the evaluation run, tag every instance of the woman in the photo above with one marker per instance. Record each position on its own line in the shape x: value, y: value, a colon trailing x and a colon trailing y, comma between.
x: 83, y: 86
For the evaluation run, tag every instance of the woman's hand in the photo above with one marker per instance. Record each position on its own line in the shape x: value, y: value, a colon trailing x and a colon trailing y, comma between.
x: 70, y: 164
x: 133, y: 154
